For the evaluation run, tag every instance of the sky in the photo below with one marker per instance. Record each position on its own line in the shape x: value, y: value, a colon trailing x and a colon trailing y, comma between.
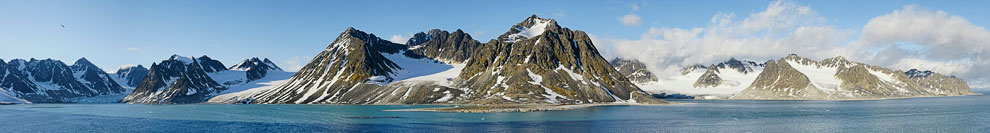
x: 945, y: 36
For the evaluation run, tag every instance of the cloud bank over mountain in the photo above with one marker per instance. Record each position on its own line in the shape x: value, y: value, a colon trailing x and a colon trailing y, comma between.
x: 911, y: 37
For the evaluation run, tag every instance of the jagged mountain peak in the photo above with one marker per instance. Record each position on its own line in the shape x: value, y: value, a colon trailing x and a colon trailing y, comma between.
x: 83, y: 62
x: 528, y: 28
x: 205, y: 62
x: 742, y: 66
x: 128, y: 67
x: 634, y: 70
x: 424, y: 37
x: 448, y: 47
x: 204, y: 57
x: 538, y: 57
x: 183, y: 59
x: 50, y: 80
x: 255, y: 63
x: 915, y: 73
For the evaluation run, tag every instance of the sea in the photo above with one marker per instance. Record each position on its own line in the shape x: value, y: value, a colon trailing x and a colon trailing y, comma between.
x: 931, y: 114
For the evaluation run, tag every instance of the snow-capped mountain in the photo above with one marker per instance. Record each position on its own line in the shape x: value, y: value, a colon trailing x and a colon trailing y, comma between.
x: 449, y: 47
x: 179, y: 79
x: 130, y: 75
x: 356, y: 68
x: 731, y: 73
x: 51, y: 81
x: 800, y: 78
x: 714, y: 81
x: 634, y: 70
x: 183, y: 79
x: 535, y: 62
x: 256, y: 68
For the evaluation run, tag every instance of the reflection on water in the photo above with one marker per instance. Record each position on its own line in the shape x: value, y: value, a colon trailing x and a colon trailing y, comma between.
x: 947, y: 114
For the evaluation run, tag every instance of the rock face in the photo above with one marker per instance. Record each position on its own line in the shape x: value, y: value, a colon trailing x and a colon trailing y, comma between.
x: 538, y: 61
x: 735, y: 72
x: 177, y: 80
x: 256, y: 68
x: 535, y: 62
x: 715, y: 81
x: 357, y: 69
x: 454, y: 48
x: 51, y: 81
x: 130, y: 76
x: 634, y: 70
x: 798, y: 78
x: 181, y: 79
x: 947, y: 85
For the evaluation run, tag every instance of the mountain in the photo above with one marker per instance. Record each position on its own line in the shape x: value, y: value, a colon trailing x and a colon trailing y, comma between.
x: 356, y: 68
x: 798, y: 78
x: 182, y: 79
x: 52, y: 81
x: 448, y: 47
x: 729, y: 73
x: 535, y: 62
x: 714, y: 81
x: 130, y: 75
x: 177, y: 80
x: 634, y: 70
x: 256, y: 68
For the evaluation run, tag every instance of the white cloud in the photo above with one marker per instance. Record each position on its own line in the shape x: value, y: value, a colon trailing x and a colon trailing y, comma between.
x: 914, y: 37
x: 782, y: 29
x: 400, y: 39
x: 631, y: 20
x: 132, y: 49
x: 943, y: 67
x: 296, y: 63
x: 908, y: 38
x: 635, y: 7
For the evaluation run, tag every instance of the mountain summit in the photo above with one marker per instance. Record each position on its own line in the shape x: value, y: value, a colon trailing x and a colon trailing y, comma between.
x: 536, y: 61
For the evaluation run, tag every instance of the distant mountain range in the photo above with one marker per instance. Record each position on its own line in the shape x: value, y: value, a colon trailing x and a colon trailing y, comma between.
x: 798, y: 78
x: 51, y: 81
x: 536, y: 61
x: 182, y: 79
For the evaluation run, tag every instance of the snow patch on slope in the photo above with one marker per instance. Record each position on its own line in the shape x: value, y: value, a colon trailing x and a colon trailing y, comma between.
x: 412, y: 68
x: 538, y: 28
x: 443, y: 78
x: 733, y: 82
x: 822, y: 77
x: 184, y: 59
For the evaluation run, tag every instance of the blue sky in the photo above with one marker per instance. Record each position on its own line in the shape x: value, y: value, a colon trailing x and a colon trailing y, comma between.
x: 114, y: 33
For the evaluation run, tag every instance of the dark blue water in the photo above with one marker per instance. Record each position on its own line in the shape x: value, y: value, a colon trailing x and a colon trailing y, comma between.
x: 944, y: 114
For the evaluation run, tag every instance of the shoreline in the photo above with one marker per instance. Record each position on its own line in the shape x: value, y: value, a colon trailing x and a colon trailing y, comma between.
x: 520, y: 107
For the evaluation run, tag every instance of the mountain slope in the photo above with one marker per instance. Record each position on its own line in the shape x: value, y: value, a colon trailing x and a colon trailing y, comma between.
x: 795, y: 77
x: 177, y: 80
x: 551, y: 65
x: 634, y: 70
x: 51, y: 81
x: 448, y: 47
x: 353, y: 69
x: 714, y: 81
x: 130, y: 76
x: 256, y: 68
x: 180, y: 79
x: 537, y: 61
